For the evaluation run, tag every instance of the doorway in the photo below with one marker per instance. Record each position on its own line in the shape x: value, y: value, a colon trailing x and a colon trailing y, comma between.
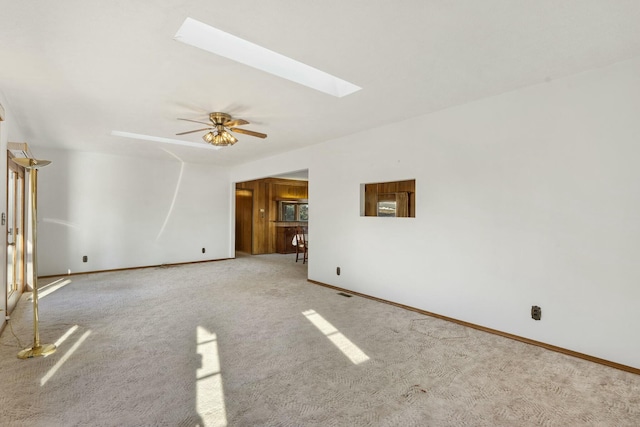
x: 244, y: 221
x: 15, y: 234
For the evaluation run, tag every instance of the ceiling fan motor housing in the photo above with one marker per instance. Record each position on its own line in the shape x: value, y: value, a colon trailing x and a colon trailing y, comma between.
x: 219, y: 118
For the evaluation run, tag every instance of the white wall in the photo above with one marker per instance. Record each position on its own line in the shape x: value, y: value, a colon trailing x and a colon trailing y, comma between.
x: 528, y: 198
x: 126, y: 212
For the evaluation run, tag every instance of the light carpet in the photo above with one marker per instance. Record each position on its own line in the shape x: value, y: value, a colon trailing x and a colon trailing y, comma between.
x: 249, y: 342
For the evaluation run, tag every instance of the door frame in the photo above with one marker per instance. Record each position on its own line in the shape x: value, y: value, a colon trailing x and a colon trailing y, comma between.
x: 19, y: 253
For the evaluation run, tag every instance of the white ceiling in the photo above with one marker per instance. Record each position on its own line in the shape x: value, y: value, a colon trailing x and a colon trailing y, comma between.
x: 75, y: 70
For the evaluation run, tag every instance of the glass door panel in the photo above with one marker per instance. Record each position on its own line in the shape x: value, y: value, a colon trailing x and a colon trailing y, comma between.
x: 11, y: 201
x: 15, y: 237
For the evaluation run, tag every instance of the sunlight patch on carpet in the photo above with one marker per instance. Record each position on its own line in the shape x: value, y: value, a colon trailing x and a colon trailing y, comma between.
x: 343, y: 343
x: 209, y: 393
x: 66, y: 335
x: 66, y: 356
x: 51, y: 288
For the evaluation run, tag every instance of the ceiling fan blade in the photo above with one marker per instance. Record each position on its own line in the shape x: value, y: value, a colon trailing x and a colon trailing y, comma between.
x: 195, y: 121
x: 192, y: 131
x: 235, y: 122
x: 248, y: 132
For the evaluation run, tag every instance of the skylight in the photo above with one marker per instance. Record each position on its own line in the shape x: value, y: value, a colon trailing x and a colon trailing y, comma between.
x: 203, y: 36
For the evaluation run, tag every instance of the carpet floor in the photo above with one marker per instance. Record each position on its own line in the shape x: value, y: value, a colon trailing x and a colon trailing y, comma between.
x: 249, y: 342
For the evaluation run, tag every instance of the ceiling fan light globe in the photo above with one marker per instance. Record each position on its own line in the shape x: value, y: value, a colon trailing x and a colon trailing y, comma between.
x: 220, y: 141
x: 208, y: 137
x: 230, y: 139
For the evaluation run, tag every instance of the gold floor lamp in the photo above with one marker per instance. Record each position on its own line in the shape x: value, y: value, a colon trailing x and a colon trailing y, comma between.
x: 38, y: 349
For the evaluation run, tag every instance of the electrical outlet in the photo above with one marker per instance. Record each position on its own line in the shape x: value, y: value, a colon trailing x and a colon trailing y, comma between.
x: 338, y: 271
x: 536, y: 312
x: 85, y: 259
x: 203, y: 251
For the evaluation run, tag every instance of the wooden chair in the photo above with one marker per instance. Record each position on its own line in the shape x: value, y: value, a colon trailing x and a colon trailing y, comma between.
x: 301, y: 243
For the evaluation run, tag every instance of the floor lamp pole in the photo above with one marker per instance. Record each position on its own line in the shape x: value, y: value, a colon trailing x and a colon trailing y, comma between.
x: 38, y: 349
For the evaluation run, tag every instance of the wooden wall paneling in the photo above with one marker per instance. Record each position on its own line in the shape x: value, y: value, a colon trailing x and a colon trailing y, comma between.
x: 412, y: 204
x: 280, y: 190
x: 259, y: 218
x: 402, y: 204
x: 244, y: 220
x: 257, y: 224
x: 270, y: 218
x: 405, y: 190
x: 273, y: 216
x: 387, y: 187
x: 371, y: 200
x: 266, y: 193
x: 409, y: 186
x: 292, y: 190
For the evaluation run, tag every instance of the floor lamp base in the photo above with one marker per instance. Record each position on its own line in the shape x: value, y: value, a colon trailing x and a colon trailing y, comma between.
x: 39, y: 351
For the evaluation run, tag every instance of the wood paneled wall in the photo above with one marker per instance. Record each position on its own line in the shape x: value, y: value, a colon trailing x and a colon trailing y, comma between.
x: 244, y: 220
x: 405, y: 189
x: 266, y: 193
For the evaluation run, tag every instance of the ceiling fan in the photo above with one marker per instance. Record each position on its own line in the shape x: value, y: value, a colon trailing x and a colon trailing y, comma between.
x: 219, y: 129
